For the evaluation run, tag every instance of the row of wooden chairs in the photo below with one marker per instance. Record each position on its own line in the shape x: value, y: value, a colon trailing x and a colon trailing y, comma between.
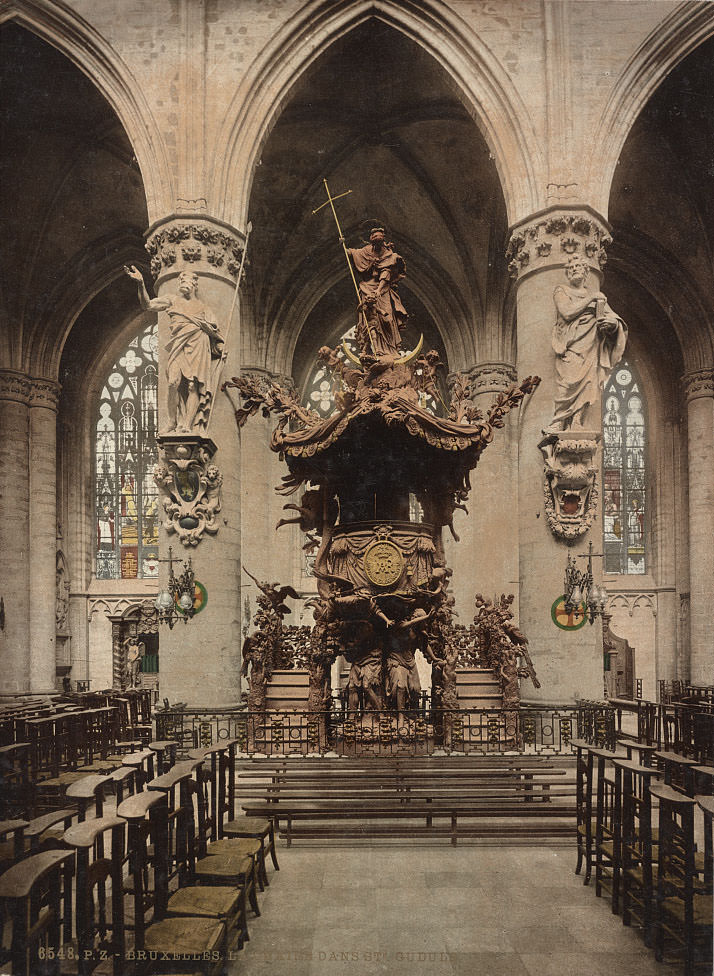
x: 49, y: 743
x: 160, y: 884
x: 639, y: 814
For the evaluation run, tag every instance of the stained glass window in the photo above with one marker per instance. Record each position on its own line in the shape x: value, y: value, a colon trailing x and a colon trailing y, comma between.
x: 126, y: 453
x: 624, y: 444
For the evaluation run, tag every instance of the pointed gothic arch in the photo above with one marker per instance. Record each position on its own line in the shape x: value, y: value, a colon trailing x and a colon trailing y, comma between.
x: 482, y: 82
x: 676, y: 36
x: 58, y: 25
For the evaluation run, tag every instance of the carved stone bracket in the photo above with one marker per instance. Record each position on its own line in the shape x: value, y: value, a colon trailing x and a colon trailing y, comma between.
x: 699, y: 383
x: 201, y: 244
x: 190, y: 485
x: 552, y: 236
x: 570, y: 481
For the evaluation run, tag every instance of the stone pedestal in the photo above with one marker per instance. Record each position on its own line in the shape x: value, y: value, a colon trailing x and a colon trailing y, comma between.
x: 699, y: 392
x: 569, y: 662
x: 200, y: 661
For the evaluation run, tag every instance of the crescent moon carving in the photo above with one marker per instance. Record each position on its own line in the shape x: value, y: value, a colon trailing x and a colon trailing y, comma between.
x: 407, y: 357
x: 350, y: 355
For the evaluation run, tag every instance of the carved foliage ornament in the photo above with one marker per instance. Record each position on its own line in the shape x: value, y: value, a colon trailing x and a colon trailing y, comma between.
x: 193, y: 241
x: 190, y: 486
x: 553, y: 235
x: 700, y: 383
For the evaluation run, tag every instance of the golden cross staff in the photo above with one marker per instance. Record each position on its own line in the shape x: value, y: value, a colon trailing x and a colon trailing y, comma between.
x: 331, y: 201
x: 224, y: 354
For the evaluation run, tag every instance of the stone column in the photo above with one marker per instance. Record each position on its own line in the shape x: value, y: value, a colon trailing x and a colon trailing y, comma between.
x: 699, y: 393
x: 665, y: 547
x: 15, y: 390
x: 200, y: 660
x: 266, y: 552
x: 43, y: 531
x: 569, y: 662
x: 485, y: 560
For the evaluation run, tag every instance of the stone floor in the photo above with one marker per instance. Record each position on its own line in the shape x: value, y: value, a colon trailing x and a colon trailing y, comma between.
x: 432, y: 911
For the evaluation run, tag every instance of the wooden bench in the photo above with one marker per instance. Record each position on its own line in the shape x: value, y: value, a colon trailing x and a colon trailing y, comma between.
x: 472, y: 794
x: 457, y: 812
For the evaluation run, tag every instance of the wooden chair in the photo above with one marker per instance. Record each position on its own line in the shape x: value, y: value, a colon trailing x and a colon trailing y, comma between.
x: 45, y: 832
x: 165, y: 750
x: 143, y: 763
x: 199, y: 940
x: 124, y: 782
x: 220, y: 777
x: 608, y: 823
x: 637, y: 861
x: 12, y: 842
x: 221, y: 862
x: 17, y: 790
x: 644, y: 750
x: 225, y: 904
x: 677, y: 769
x: 683, y: 905
x: 96, y: 934
x: 585, y: 824
x: 36, y: 893
x: 254, y: 828
x: 124, y: 741
x: 89, y: 791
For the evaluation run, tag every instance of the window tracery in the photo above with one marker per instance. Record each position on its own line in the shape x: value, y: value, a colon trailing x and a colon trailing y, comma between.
x: 126, y: 497
x: 624, y: 458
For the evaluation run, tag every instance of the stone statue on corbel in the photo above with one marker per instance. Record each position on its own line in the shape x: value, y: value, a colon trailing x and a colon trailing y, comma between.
x: 588, y: 341
x: 190, y: 485
x: 194, y: 352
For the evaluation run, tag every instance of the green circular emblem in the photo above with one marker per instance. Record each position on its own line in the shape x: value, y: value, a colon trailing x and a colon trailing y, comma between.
x: 200, y: 598
x: 567, y: 620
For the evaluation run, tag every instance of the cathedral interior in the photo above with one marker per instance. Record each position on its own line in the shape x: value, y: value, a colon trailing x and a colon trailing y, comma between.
x: 228, y: 158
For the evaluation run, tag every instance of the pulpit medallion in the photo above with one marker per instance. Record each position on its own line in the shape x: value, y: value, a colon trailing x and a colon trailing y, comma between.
x: 383, y: 563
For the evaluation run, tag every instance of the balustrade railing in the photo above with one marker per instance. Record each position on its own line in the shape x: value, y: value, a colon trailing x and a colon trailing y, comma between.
x: 531, y: 730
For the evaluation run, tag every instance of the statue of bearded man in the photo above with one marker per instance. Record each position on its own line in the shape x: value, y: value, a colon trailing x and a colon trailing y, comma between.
x: 588, y: 340
x: 379, y: 270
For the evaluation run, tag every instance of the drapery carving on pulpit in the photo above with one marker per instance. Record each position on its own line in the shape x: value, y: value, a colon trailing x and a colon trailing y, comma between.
x: 588, y: 340
x: 194, y: 352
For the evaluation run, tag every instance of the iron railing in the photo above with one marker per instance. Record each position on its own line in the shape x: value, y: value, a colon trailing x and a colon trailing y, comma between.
x: 531, y: 730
